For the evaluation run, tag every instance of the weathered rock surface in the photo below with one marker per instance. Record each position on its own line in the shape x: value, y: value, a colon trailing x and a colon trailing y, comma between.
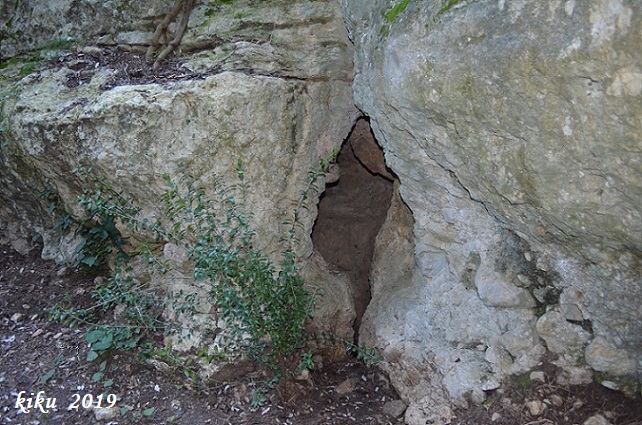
x: 280, y: 121
x: 513, y: 128
x: 562, y: 336
x: 394, y: 408
x: 34, y: 24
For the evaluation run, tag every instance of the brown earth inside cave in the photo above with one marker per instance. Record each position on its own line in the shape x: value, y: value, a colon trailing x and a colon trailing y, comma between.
x: 352, y: 211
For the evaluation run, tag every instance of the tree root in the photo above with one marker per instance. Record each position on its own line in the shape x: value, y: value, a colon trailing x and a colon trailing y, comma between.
x: 185, y: 8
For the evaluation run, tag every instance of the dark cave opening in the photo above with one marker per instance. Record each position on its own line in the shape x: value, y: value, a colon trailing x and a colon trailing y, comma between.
x: 352, y: 211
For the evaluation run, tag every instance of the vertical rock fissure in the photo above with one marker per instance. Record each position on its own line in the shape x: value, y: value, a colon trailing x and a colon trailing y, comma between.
x: 352, y: 211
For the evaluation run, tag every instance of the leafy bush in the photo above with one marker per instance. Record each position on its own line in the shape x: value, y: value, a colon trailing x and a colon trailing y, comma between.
x: 264, y: 308
x: 140, y: 310
x: 261, y: 308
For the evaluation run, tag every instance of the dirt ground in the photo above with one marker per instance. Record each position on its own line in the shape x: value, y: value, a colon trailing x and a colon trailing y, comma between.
x: 32, y: 346
x: 38, y: 354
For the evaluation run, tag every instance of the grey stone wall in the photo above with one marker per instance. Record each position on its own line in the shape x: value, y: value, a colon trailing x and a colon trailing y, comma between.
x: 514, y: 129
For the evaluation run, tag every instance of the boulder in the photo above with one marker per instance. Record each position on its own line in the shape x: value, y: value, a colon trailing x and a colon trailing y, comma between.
x: 513, y: 130
x: 270, y: 86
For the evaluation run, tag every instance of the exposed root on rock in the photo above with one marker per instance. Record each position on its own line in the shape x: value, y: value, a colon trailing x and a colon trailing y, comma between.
x: 161, y: 36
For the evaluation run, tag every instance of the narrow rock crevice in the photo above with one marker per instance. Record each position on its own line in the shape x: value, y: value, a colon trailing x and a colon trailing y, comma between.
x: 352, y: 211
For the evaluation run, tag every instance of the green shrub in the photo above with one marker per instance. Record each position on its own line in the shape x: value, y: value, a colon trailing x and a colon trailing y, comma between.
x: 262, y: 306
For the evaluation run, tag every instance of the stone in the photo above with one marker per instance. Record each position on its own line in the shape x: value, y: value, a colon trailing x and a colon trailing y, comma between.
x: 336, y: 314
x: 572, y: 306
x: 494, y: 291
x: 561, y: 336
x: 472, y: 130
x: 303, y: 376
x: 91, y: 50
x: 557, y: 400
x: 416, y: 414
x: 535, y: 407
x: 477, y: 396
x: 603, y: 357
x: 519, y: 349
x: 346, y: 387
x: 394, y: 408
x: 610, y: 385
x: 333, y: 175
x: 178, y: 257
x: 21, y: 245
x: 64, y: 271
x: 106, y: 414
x: 119, y: 313
x: 574, y: 375
x: 281, y: 103
x: 60, y: 247
x: 318, y: 362
x: 597, y: 419
x: 519, y: 179
x: 56, y: 20
x: 392, y: 264
x: 537, y: 376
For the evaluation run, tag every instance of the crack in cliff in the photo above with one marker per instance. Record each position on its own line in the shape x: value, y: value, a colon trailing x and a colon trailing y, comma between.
x: 352, y: 211
x: 456, y: 180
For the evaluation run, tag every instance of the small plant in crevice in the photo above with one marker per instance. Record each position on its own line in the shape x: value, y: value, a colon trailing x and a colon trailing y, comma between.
x: 399, y: 7
x: 97, y: 232
x: 306, y: 363
x: 447, y: 4
x: 105, y: 208
x: 368, y: 355
x: 49, y: 194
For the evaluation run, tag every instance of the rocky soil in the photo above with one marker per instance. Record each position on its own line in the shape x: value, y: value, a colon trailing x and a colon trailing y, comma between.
x: 38, y: 354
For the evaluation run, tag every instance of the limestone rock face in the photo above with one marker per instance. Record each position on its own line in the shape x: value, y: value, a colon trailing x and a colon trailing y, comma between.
x: 299, y: 39
x: 33, y: 24
x: 514, y: 129
x: 280, y: 124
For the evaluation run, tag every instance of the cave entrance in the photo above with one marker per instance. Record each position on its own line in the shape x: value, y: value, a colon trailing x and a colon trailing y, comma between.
x: 352, y: 210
